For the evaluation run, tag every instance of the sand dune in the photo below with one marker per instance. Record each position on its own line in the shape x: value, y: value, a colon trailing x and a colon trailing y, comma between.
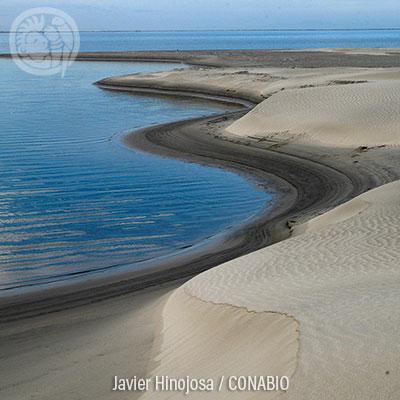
x: 339, y: 279
x: 352, y: 115
x: 207, y: 340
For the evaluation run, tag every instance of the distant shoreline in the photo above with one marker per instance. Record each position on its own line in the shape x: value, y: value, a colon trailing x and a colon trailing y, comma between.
x: 277, y: 58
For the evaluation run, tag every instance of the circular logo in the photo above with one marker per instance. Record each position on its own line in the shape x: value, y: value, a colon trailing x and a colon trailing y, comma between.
x: 44, y: 41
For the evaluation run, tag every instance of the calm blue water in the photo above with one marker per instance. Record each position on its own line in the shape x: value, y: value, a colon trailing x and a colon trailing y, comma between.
x: 212, y: 40
x: 72, y: 198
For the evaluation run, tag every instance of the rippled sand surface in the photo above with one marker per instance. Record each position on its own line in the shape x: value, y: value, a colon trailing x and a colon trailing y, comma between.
x: 337, y: 281
x: 349, y: 114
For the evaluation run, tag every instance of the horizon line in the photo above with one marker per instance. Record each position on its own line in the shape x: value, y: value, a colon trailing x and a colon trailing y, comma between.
x: 227, y: 30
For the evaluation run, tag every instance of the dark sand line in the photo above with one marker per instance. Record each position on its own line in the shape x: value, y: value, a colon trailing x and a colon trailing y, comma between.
x: 239, y: 101
x: 299, y: 186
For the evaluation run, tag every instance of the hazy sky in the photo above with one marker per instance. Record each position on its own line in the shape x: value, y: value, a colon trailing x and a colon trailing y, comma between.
x: 215, y: 14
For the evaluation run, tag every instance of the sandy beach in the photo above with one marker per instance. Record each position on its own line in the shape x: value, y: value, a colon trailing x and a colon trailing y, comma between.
x: 308, y: 290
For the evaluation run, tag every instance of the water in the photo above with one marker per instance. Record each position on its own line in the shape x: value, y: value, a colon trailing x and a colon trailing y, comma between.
x: 73, y: 198
x: 225, y: 40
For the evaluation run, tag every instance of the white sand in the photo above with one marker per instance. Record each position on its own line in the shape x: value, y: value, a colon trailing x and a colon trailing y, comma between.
x: 340, y: 280
x: 205, y: 340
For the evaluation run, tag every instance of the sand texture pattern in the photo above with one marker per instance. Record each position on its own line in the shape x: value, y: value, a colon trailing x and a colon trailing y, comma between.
x: 339, y: 279
x: 363, y: 114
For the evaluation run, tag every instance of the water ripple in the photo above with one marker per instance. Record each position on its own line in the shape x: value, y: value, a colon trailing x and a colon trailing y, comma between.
x: 72, y: 201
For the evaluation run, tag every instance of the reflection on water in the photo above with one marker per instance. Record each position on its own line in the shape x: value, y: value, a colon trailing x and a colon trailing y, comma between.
x: 73, y: 199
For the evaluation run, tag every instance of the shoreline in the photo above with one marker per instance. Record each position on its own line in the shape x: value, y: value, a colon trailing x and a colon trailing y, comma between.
x: 183, y: 264
x: 297, y: 185
x: 294, y: 180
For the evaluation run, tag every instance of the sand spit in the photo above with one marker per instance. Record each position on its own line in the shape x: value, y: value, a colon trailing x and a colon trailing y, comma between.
x: 338, y: 275
x: 313, y: 58
x: 320, y: 307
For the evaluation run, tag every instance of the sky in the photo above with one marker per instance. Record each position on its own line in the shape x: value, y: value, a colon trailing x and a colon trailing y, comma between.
x: 215, y: 14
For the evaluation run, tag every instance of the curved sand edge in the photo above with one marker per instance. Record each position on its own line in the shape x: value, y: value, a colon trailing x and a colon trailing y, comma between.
x: 208, y: 340
x: 340, y: 280
x: 320, y: 186
x: 336, y: 107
